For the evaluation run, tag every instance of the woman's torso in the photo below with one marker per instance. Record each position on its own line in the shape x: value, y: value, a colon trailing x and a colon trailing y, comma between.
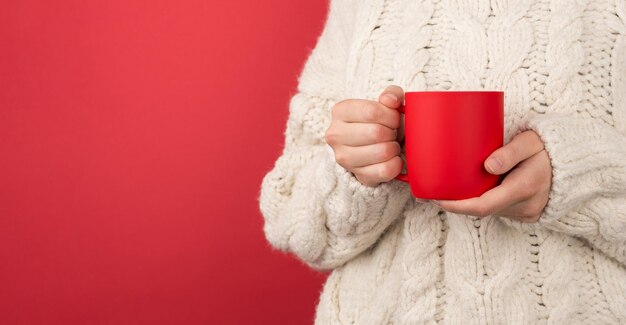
x: 547, y: 56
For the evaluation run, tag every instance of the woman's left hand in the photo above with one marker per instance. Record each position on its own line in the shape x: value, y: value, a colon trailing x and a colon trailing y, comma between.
x: 523, y: 193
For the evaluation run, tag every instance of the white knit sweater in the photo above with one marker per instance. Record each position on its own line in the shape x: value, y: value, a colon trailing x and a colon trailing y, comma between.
x: 397, y: 260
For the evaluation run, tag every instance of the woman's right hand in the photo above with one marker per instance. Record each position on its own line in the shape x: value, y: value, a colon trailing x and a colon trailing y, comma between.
x: 365, y: 135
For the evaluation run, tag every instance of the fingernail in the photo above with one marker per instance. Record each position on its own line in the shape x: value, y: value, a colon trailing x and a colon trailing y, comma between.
x: 392, y: 97
x: 494, y: 164
x: 436, y: 202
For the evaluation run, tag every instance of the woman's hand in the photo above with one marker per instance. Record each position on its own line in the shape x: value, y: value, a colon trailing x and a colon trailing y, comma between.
x: 364, y: 136
x: 523, y: 193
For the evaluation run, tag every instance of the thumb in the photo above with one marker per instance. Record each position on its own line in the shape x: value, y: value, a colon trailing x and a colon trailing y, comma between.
x: 522, y: 147
x: 392, y: 96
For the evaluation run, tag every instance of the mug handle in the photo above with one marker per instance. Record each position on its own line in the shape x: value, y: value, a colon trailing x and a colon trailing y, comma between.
x: 401, y: 176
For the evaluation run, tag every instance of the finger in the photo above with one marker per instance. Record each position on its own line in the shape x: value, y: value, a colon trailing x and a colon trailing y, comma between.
x: 366, y: 111
x: 360, y: 134
x: 523, y: 146
x: 533, y: 177
x: 490, y: 202
x: 375, y: 174
x: 392, y: 96
x: 360, y: 156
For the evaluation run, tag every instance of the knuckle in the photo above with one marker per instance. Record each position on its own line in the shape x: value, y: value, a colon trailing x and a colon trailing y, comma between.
x: 338, y: 107
x: 342, y: 158
x: 388, y: 170
x: 393, y: 148
x: 385, y: 134
x: 344, y: 102
x: 330, y: 136
x: 385, y: 151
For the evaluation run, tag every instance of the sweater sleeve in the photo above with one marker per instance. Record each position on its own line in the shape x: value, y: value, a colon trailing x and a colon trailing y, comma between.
x: 312, y: 206
x: 587, y: 198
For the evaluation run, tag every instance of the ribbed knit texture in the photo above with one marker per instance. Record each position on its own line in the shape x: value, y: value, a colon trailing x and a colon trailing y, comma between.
x: 398, y: 260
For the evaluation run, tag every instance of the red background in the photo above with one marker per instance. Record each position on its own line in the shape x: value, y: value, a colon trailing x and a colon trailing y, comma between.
x: 133, y: 139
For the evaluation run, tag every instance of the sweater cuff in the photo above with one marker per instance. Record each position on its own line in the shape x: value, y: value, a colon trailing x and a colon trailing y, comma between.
x: 354, y: 208
x: 587, y: 162
x: 355, y: 188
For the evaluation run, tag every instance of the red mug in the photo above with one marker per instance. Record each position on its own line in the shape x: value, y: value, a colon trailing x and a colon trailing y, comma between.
x: 448, y: 136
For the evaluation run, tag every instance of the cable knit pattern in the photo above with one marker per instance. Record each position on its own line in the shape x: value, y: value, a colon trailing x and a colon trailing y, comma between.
x: 539, y: 15
x: 564, y: 55
x: 397, y: 260
x: 509, y: 42
x: 466, y: 47
x: 412, y: 55
x: 598, y: 43
x: 618, y: 64
x: 434, y: 69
